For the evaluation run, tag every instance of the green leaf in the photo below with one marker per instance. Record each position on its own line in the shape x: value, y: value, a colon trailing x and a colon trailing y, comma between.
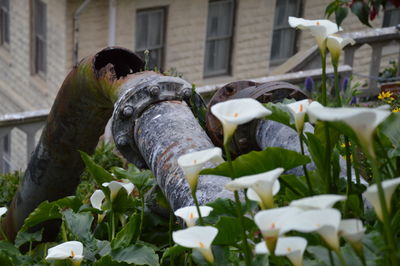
x: 390, y: 128
x: 128, y: 233
x: 256, y: 162
x: 361, y: 10
x: 317, y: 152
x: 141, y: 180
x: 341, y: 14
x: 221, y: 255
x: 50, y: 210
x: 26, y: 237
x: 322, y: 255
x: 331, y: 8
x: 9, y: 248
x: 281, y: 114
x: 229, y: 232
x: 107, y: 261
x: 295, y: 184
x: 137, y: 254
x: 173, y: 251
x: 79, y: 225
x: 98, y: 173
x: 223, y: 206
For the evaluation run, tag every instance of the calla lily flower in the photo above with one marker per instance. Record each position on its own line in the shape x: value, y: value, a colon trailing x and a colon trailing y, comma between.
x: 3, y: 210
x: 237, y: 112
x: 320, y: 29
x: 335, y: 46
x: 353, y: 230
x: 363, y: 121
x: 115, y: 186
x: 190, y: 215
x: 317, y: 202
x: 325, y: 222
x: 371, y: 194
x: 96, y: 200
x: 192, y: 163
x: 69, y: 250
x: 292, y: 247
x: 270, y: 223
x: 298, y: 111
x: 252, y: 195
x: 262, y: 184
x: 197, y: 237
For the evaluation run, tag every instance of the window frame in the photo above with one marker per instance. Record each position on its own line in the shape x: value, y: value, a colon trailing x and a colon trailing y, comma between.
x: 299, y: 11
x: 389, y: 10
x: 6, y: 143
x: 5, y: 27
x: 38, y: 58
x: 229, y: 37
x: 163, y: 32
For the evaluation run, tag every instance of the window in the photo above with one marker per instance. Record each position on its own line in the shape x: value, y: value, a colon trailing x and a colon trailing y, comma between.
x: 150, y: 29
x: 284, y: 36
x: 391, y: 16
x: 39, y: 41
x: 4, y: 22
x: 217, y: 59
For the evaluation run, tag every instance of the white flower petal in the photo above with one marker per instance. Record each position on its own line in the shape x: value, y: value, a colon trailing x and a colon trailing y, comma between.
x: 71, y: 249
x: 324, y: 201
x: 323, y: 221
x: 363, y: 121
x: 261, y: 248
x: 293, y: 248
x: 3, y: 210
x: 198, y: 237
x: 352, y: 230
x: 252, y: 195
x: 237, y: 112
x: 192, y: 163
x: 115, y: 186
x: 190, y: 215
x: 298, y: 110
x: 97, y: 199
x: 262, y: 184
x: 371, y: 194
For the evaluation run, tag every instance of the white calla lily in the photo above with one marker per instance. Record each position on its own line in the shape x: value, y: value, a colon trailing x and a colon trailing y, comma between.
x: 197, y: 237
x: 252, y: 195
x: 262, y: 184
x: 190, y: 215
x: 335, y: 46
x: 291, y: 247
x: 353, y: 231
x: 298, y: 111
x: 320, y: 29
x: 97, y: 199
x: 237, y: 112
x: 3, y: 210
x: 363, y: 121
x: 324, y: 221
x: 115, y: 186
x: 192, y: 163
x: 371, y: 194
x: 270, y: 222
x: 69, y: 250
x: 324, y: 201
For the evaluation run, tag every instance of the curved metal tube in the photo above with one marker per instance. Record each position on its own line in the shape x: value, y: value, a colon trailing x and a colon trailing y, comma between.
x: 77, y: 119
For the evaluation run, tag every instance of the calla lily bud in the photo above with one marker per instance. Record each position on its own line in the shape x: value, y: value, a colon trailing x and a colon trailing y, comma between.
x: 190, y: 215
x: 115, y: 186
x: 72, y: 250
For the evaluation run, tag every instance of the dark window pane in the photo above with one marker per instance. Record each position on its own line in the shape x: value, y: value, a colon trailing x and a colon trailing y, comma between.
x: 4, y: 21
x: 40, y: 41
x: 150, y: 35
x: 391, y: 16
x: 219, y: 38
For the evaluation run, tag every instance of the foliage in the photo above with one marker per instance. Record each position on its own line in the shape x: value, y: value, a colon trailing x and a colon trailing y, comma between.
x: 9, y: 184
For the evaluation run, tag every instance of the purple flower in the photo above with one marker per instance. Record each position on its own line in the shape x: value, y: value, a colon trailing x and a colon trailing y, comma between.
x: 309, y: 84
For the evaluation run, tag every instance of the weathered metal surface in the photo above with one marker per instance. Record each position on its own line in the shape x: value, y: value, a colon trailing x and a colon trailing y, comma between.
x: 166, y: 131
x: 137, y: 93
x: 77, y: 119
x: 244, y: 140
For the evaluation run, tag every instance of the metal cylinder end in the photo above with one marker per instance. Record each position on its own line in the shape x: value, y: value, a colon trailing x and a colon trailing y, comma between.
x: 127, y: 111
x: 154, y: 91
x: 186, y: 93
x: 122, y: 141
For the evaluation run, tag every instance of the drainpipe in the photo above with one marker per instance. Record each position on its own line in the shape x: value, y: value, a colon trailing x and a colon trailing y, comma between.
x: 84, y: 104
x: 77, y: 14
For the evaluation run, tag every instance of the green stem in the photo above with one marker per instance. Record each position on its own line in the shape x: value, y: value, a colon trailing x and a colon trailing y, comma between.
x: 328, y: 158
x: 171, y: 243
x: 337, y: 87
x: 389, y: 162
x: 112, y: 226
x: 197, y: 207
x: 342, y: 261
x: 63, y: 232
x: 330, y: 257
x: 391, y: 244
x: 141, y: 215
x: 348, y: 170
x: 311, y: 192
x: 3, y: 234
x: 295, y: 191
x: 323, y: 78
x: 356, y: 165
x: 246, y: 248
x: 30, y: 248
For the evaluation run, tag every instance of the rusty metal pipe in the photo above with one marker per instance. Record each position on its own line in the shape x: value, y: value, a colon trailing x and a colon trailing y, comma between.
x: 76, y: 121
x: 166, y: 131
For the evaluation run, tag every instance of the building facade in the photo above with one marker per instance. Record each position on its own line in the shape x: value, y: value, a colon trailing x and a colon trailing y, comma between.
x: 207, y: 41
